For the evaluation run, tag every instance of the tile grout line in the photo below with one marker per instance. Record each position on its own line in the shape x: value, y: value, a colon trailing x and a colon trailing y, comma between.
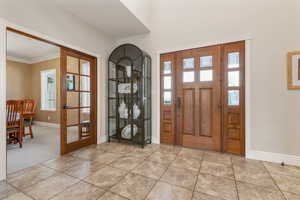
x: 273, y: 180
x: 197, y: 177
x: 234, y: 177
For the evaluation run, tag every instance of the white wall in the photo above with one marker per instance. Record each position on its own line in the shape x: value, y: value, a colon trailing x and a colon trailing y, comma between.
x: 52, y: 24
x: 274, y: 30
x: 140, y: 8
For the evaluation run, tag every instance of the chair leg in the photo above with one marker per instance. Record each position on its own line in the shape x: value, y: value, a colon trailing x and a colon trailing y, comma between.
x: 30, y: 130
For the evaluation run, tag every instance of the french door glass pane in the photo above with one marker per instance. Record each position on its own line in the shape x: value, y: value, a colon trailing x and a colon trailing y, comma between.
x: 72, y: 82
x: 234, y: 60
x: 72, y: 99
x: 233, y: 78
x: 167, y: 82
x: 233, y: 97
x: 85, y: 83
x: 85, y: 99
x: 167, y: 67
x: 188, y: 76
x: 84, y: 67
x: 167, y: 97
x: 206, y: 75
x: 72, y: 116
x: 188, y: 63
x: 72, y: 64
x: 206, y: 61
x: 72, y: 134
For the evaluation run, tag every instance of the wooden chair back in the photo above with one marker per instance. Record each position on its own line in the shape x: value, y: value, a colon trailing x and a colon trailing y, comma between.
x: 14, y: 109
x: 29, y: 106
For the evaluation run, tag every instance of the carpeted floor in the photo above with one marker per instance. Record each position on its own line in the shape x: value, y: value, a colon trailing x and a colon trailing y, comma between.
x: 44, y: 146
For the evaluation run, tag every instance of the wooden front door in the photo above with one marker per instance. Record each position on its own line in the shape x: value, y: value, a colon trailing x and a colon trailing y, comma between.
x: 198, y: 98
x: 78, y: 100
x: 202, y: 98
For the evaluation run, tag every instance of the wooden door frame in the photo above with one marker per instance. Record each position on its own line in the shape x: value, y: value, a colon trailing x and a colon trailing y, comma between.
x: 64, y: 52
x: 246, y: 98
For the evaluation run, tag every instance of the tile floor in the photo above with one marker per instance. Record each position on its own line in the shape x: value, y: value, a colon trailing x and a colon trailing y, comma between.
x: 158, y: 172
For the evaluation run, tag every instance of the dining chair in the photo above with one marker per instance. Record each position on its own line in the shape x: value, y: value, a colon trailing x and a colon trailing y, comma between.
x: 28, y: 113
x: 14, y: 121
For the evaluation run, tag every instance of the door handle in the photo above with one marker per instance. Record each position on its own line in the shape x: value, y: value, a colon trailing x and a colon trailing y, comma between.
x: 65, y: 106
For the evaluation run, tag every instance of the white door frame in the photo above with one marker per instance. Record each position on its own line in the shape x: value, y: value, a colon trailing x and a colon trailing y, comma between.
x: 247, y: 40
x: 101, y: 87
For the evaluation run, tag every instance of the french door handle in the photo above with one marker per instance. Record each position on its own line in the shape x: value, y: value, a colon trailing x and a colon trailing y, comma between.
x: 65, y: 106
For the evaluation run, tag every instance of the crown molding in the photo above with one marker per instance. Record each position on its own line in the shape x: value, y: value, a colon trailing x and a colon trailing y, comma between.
x: 34, y: 60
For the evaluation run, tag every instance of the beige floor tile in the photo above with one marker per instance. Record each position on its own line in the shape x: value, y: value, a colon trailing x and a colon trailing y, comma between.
x: 80, y: 191
x: 151, y: 169
x: 288, y: 183
x: 6, y: 190
x: 141, y: 152
x: 106, y: 177
x: 64, y: 162
x: 187, y: 163
x: 202, y: 196
x: 127, y: 163
x: 85, y: 169
x: 217, y: 186
x: 217, y: 169
x: 290, y: 196
x: 107, y: 158
x: 134, y: 187
x: 191, y: 153
x: 18, y: 196
x: 180, y: 177
x: 165, y: 191
x: 254, y: 173
x: 30, y: 176
x: 50, y: 187
x: 287, y: 170
x: 164, y: 158
x: 163, y: 148
x: 217, y: 158
x: 111, y: 196
x: 248, y: 191
x: 117, y: 148
x: 90, y: 153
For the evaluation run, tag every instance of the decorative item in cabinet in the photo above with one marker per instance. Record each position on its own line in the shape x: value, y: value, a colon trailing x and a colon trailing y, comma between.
x: 129, y: 95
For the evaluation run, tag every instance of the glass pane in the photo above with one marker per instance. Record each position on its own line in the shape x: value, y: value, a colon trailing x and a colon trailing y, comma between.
x: 167, y: 97
x: 112, y: 107
x: 112, y: 70
x: 112, y: 86
x: 233, y: 97
x: 112, y: 126
x: 206, y: 75
x: 188, y: 63
x: 234, y: 60
x: 73, y: 99
x: 72, y: 134
x: 167, y: 82
x: 72, y: 82
x: 188, y: 76
x: 85, y: 83
x: 85, y: 99
x: 206, y: 61
x: 234, y: 79
x: 72, y: 64
x: 84, y: 67
x: 85, y: 123
x: 167, y: 67
x: 72, y: 116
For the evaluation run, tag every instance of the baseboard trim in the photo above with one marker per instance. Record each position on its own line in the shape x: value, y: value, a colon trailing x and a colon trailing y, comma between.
x: 46, y: 124
x: 274, y: 157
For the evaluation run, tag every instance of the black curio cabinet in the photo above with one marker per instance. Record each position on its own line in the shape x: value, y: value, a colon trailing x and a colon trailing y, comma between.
x: 129, y: 95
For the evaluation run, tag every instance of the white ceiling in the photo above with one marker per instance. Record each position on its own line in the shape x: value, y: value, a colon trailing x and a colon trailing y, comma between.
x: 28, y: 50
x: 111, y: 17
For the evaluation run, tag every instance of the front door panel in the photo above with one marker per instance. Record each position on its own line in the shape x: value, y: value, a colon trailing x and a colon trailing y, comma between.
x: 198, y: 91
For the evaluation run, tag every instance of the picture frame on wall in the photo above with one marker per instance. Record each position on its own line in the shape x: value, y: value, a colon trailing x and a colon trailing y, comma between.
x: 293, y: 73
x: 70, y: 82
